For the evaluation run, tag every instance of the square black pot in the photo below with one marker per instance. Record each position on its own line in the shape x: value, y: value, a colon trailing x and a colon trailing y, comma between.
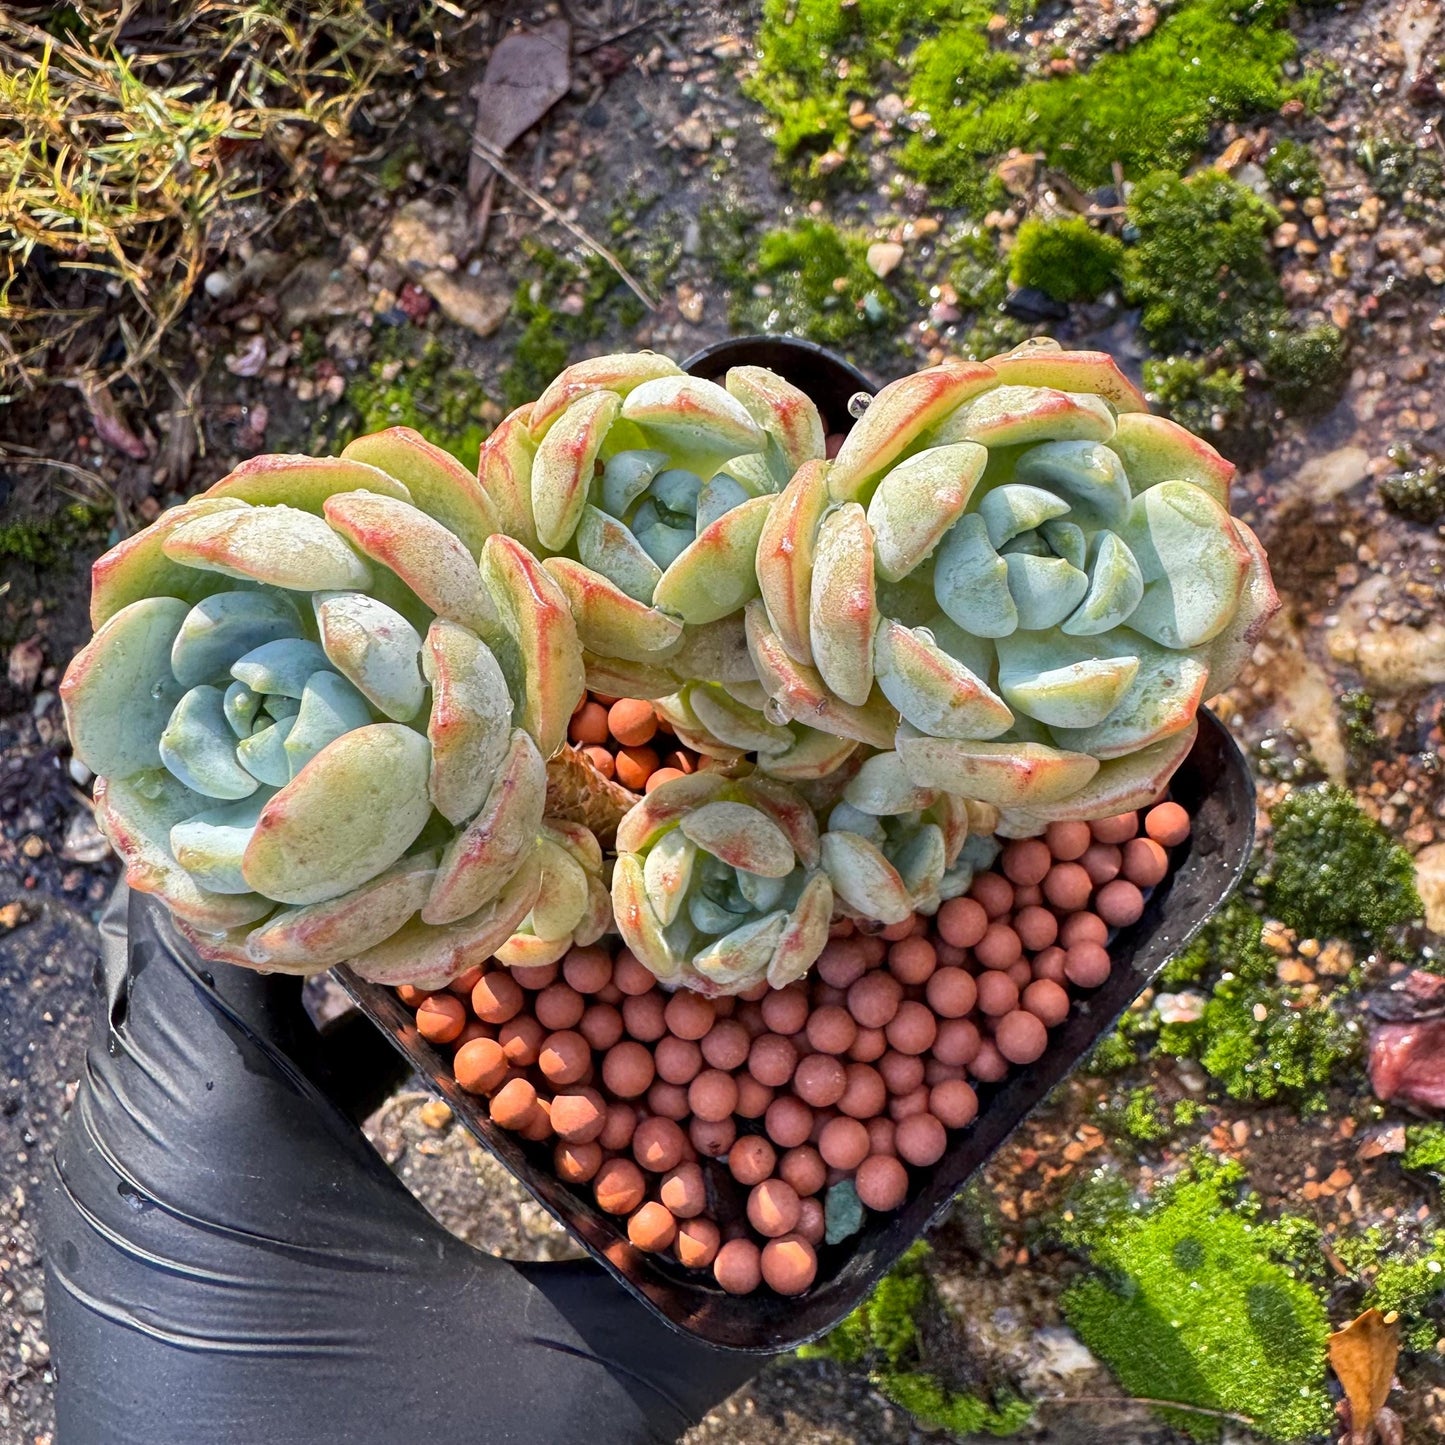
x: 1213, y: 784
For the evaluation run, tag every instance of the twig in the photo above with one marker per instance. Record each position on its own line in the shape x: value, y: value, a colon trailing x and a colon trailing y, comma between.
x: 494, y: 156
x: 1152, y: 1404
x: 18, y: 456
x: 616, y: 35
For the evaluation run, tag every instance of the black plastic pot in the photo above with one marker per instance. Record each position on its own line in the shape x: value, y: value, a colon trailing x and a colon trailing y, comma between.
x: 1213, y: 784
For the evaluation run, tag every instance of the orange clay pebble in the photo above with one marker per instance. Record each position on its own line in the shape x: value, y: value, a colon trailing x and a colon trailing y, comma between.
x: 652, y: 1228
x: 999, y: 947
x: 962, y: 922
x: 660, y: 776
x: 789, y: 1264
x: 752, y: 1159
x: 680, y: 762
x: 627, y: 1069
x: 881, y: 1182
x: 1067, y: 841
x: 1049, y: 963
x: 564, y: 1057
x: 635, y: 766
x: 631, y: 976
x: 683, y: 1191
x: 576, y: 1163
x: 496, y: 998
x: 539, y: 1123
x: 1086, y: 964
x: 773, y: 1207
x: 911, y: 1030
x: 998, y: 994
x: 1167, y: 823
x: 804, y: 1169
x: 1102, y: 862
x: 1118, y: 829
x: 514, y: 1104
x: 440, y: 1018
x: 619, y: 1186
x: 831, y: 1030
x: 619, y: 1127
x: 601, y: 758
x: 821, y: 1080
x: 901, y: 1072
x: 812, y: 1223
x: 921, y: 1139
x: 1026, y: 861
x: 642, y: 1014
x: 843, y: 1143
x: 587, y: 969
x: 1083, y: 928
x: 1047, y: 1001
x: 1036, y: 928
x: 1119, y: 903
x: 411, y: 995
x: 866, y: 1093
x: 951, y: 992
x: 912, y: 960
x: 521, y: 1040
x: 678, y: 1060
x: 559, y: 1006
x: 463, y: 984
x: 697, y: 1242
x: 578, y: 1115
x: 726, y: 1045
x: 1067, y: 886
x: 771, y: 1060
x: 668, y: 1100
x: 789, y: 1121
x: 874, y: 999
x: 994, y: 892
x: 953, y: 1103
x: 535, y: 978
x: 472, y: 1029
x: 957, y: 1042
x: 658, y: 1145
x: 589, y: 725
x: 689, y: 1015
x: 738, y: 1267
x: 480, y: 1066
x: 753, y: 1097
x: 712, y: 1096
x: 632, y: 722
x: 785, y: 1010
x: 713, y: 1140
x: 1145, y: 862
x: 601, y: 1026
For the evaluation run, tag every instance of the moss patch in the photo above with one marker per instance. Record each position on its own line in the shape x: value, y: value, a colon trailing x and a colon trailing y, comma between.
x: 818, y: 286
x: 885, y: 1333
x: 1149, y: 106
x: 1404, y: 1274
x: 1195, y: 394
x: 43, y: 541
x: 1068, y: 259
x: 423, y: 388
x: 1335, y: 872
x: 1189, y: 1304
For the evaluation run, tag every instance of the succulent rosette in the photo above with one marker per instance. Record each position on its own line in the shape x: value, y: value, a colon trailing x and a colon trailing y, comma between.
x: 892, y: 849
x: 1016, y: 578
x: 645, y: 489
x: 319, y: 701
x: 717, y: 884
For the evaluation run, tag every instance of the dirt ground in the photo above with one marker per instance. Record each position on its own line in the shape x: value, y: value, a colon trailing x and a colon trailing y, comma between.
x: 309, y: 323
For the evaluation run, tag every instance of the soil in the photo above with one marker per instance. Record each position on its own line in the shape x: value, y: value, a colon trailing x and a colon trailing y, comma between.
x: 654, y: 137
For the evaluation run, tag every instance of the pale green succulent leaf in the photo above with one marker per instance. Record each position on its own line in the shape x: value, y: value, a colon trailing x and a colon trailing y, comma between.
x: 1061, y: 683
x: 470, y: 723
x: 330, y: 708
x: 1115, y: 588
x: 918, y: 501
x: 667, y: 873
x: 350, y: 813
x: 263, y: 753
x: 565, y: 464
x: 241, y: 707
x: 935, y: 692
x: 746, y: 952
x: 696, y: 422
x: 224, y: 626
x: 375, y: 648
x: 1013, y: 509
x: 971, y: 581
x: 280, y: 546
x: 864, y: 879
x: 198, y: 747
x: 735, y: 724
x: 119, y: 691
x: 608, y: 548
x: 210, y: 845
x: 883, y: 788
x: 741, y: 836
x: 716, y: 575
x: 718, y: 497
x: 280, y: 667
x: 843, y: 605
x: 1088, y: 476
x: 1044, y: 589
x: 626, y: 476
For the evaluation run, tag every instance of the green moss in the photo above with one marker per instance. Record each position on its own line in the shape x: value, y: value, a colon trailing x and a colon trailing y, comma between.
x: 1335, y: 872
x: 1187, y: 1304
x: 1201, y: 266
x: 979, y: 274
x: 43, y: 541
x: 1124, y: 1045
x: 1197, y: 396
x: 819, y: 285
x: 1357, y: 719
x: 884, y: 1333
x: 420, y: 388
x: 1188, y: 1112
x: 1306, y: 366
x: 1141, y: 1116
x: 1416, y: 493
x: 1292, y: 170
x: 1424, y: 1148
x: 1146, y: 107
x: 1402, y: 1273
x: 1408, y: 175
x: 1257, y: 1038
x: 1068, y: 259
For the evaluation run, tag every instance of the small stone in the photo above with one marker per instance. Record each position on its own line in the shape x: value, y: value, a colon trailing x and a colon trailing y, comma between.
x: 435, y: 1114
x: 890, y: 108
x: 479, y: 304
x: 695, y: 134
x: 1186, y: 1007
x: 1286, y: 235
x: 1327, y: 476
x: 12, y: 915
x: 84, y: 842
x: 33, y: 846
x: 884, y: 257
x: 690, y: 303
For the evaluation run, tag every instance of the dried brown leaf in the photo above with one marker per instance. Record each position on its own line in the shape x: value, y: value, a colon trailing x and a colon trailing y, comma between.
x: 1363, y: 1356
x: 527, y: 74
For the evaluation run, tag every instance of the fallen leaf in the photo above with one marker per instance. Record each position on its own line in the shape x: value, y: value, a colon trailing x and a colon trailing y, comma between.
x: 1363, y: 1356
x: 528, y: 73
x: 27, y: 657
x: 109, y: 425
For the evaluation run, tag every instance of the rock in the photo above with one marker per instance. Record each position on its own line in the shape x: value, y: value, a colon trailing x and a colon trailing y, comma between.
x: 315, y: 288
x: 1180, y: 1008
x: 1407, y: 1063
x: 1393, y: 658
x: 1327, y: 476
x: 695, y: 134
x: 425, y: 237
x: 884, y: 258
x: 84, y: 842
x: 1430, y: 881
x: 470, y: 301
x: 1017, y: 172
x: 1304, y: 697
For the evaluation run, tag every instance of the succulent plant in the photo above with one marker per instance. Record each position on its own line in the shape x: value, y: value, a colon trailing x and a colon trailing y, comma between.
x: 1016, y: 578
x: 892, y: 849
x: 644, y: 489
x: 319, y: 701
x: 573, y: 904
x: 717, y: 884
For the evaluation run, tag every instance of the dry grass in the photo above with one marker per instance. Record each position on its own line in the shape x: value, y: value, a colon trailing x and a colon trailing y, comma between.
x: 128, y: 133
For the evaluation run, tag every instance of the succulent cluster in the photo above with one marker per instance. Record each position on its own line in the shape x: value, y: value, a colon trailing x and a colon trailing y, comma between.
x: 328, y: 700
